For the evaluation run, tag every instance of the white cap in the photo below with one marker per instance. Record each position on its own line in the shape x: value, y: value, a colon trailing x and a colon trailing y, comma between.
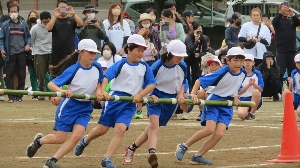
x: 177, y: 48
x: 297, y: 58
x: 137, y: 39
x: 103, y: 64
x: 249, y: 57
x: 88, y: 45
x: 214, y: 60
x: 235, y: 51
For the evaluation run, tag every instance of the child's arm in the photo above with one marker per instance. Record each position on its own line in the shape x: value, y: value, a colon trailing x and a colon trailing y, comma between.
x: 103, y: 88
x: 180, y: 96
x: 194, y: 91
x: 99, y: 94
x: 143, y: 93
x: 290, y: 80
x: 256, y: 86
x: 52, y: 86
x: 244, y: 89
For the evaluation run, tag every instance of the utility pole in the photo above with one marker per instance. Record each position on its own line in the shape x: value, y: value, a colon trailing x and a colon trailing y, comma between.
x: 264, y: 6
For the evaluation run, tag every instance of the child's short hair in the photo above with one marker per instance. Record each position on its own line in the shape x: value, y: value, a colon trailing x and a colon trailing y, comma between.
x: 130, y: 46
x: 235, y: 56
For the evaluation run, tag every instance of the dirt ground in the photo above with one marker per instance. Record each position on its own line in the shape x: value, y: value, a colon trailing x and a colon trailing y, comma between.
x: 245, y: 144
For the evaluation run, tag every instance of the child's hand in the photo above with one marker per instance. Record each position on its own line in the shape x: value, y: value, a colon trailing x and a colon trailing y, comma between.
x: 99, y: 95
x: 155, y: 98
x: 194, y: 98
x: 236, y: 101
x: 136, y: 98
x: 55, y: 100
x: 251, y: 81
x: 106, y: 95
x: 290, y: 80
x: 68, y: 93
x: 180, y: 99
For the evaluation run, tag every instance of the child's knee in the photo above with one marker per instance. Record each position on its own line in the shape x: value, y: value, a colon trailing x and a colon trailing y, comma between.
x: 218, y: 135
x: 59, y: 140
x: 119, y: 130
x: 209, y: 131
x: 256, y: 93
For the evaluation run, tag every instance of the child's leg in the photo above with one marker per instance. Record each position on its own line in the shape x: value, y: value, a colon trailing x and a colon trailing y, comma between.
x: 201, y: 94
x: 58, y: 138
x: 298, y: 111
x: 152, y: 132
x: 185, y: 108
x: 256, y: 98
x: 96, y: 132
x: 242, y: 112
x: 116, y: 141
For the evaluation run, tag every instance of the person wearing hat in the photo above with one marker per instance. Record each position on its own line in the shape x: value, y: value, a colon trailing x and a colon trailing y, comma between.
x: 227, y: 82
x: 231, y: 32
x: 294, y: 86
x: 196, y: 48
x: 170, y: 74
x: 251, y: 89
x: 118, y: 114
x: 93, y: 28
x: 188, y: 19
x: 72, y: 115
x: 271, y: 76
x: 146, y: 21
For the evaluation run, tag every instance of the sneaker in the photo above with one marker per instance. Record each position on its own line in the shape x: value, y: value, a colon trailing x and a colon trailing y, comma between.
x: 35, y: 98
x: 200, y: 160
x: 152, y: 160
x: 139, y: 114
x: 106, y: 162
x: 1, y: 98
x: 10, y: 101
x: 128, y: 157
x: 41, y: 98
x: 181, y: 149
x: 33, y: 147
x: 185, y: 116
x: 51, y: 164
x: 252, y: 116
x: 19, y: 100
x: 80, y: 146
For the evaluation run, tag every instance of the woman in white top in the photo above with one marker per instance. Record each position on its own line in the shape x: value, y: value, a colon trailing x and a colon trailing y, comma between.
x: 117, y: 29
x: 248, y: 35
x: 109, y: 54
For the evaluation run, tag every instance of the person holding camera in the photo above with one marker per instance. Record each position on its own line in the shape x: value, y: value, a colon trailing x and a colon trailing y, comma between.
x: 255, y: 36
x: 93, y: 28
x: 196, y: 45
x: 63, y: 31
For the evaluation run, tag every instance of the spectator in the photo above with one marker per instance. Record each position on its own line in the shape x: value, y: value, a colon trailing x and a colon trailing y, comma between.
x: 285, y: 29
x: 109, y: 54
x: 150, y: 52
x: 209, y: 49
x: 63, y: 31
x: 152, y: 13
x: 298, y: 36
x: 117, y: 30
x: 266, y: 21
x: 171, y: 5
x: 15, y: 40
x: 41, y: 49
x: 93, y: 28
x: 255, y: 36
x: 32, y: 18
x: 270, y: 72
x: 194, y: 42
x: 127, y: 17
x: 6, y: 17
x: 1, y: 77
x: 188, y: 19
x: 231, y: 33
x: 146, y: 21
x: 174, y: 30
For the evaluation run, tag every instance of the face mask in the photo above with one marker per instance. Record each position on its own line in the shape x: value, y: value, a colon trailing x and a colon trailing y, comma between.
x: 146, y: 25
x: 13, y: 15
x: 90, y: 16
x: 116, y: 12
x: 33, y: 20
x: 238, y: 23
x: 106, y: 53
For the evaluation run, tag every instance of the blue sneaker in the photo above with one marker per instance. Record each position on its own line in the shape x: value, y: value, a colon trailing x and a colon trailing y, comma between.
x: 106, y: 162
x: 200, y: 160
x: 181, y: 149
x: 80, y: 146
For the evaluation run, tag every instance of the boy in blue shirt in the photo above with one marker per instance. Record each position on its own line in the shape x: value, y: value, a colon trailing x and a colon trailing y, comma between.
x: 227, y: 81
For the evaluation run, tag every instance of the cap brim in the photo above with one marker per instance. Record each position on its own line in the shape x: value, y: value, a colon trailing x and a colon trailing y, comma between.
x: 151, y: 20
x: 211, y: 61
x: 179, y: 54
x: 140, y: 44
x: 237, y: 55
x: 91, y: 50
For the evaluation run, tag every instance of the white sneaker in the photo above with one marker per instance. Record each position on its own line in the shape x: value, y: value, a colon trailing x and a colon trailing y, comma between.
x: 1, y: 98
x: 185, y: 116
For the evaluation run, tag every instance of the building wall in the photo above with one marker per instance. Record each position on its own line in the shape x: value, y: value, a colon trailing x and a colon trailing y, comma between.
x: 49, y: 5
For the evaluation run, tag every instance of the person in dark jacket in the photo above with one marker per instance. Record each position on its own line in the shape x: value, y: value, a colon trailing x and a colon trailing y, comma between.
x: 196, y: 46
x: 231, y: 33
x: 271, y: 74
x: 6, y: 17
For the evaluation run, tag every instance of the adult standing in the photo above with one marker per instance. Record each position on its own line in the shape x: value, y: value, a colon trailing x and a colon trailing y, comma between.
x: 188, y: 19
x: 63, y: 31
x: 255, y: 36
x: 231, y: 32
x: 93, y: 28
x: 41, y: 49
x: 117, y: 29
x: 15, y: 40
x: 285, y: 24
x: 6, y: 17
x: 266, y: 21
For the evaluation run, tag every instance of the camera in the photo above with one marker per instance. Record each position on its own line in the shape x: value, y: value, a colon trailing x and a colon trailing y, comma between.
x: 63, y: 10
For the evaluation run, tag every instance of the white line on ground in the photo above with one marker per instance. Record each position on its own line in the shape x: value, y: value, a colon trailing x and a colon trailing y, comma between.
x: 253, y: 165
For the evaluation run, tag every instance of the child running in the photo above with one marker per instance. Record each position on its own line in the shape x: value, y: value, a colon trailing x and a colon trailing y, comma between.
x: 227, y: 81
x: 294, y: 85
x: 132, y: 73
x: 250, y: 89
x: 170, y: 75
x: 72, y: 115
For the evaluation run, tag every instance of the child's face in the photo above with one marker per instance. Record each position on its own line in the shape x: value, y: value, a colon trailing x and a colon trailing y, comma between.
x: 248, y: 64
x: 176, y: 60
x: 298, y: 65
x: 235, y: 65
x: 213, y: 67
x: 137, y: 53
x: 88, y: 56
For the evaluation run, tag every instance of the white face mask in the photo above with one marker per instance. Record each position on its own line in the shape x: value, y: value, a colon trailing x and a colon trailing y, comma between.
x: 106, y: 53
x: 13, y: 15
x: 116, y: 12
x: 90, y: 16
x: 146, y: 25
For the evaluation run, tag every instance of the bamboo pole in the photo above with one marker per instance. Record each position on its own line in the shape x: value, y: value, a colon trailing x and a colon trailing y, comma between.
x: 127, y: 98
